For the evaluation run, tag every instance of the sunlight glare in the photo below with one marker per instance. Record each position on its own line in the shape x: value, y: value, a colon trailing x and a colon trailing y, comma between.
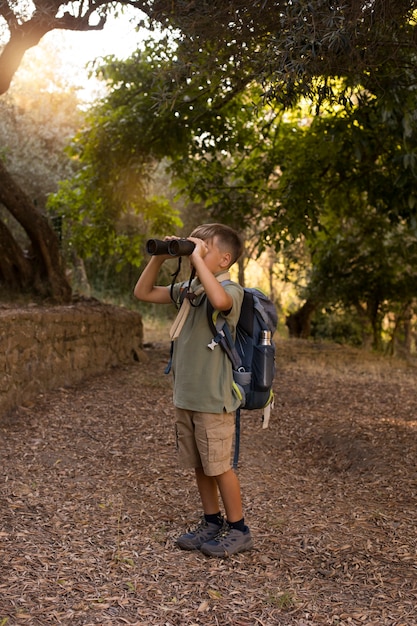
x: 78, y: 49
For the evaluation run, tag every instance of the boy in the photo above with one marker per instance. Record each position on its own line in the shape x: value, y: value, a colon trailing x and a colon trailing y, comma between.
x: 204, y: 394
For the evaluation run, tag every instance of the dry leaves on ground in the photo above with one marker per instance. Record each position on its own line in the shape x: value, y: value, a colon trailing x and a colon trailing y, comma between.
x: 92, y: 500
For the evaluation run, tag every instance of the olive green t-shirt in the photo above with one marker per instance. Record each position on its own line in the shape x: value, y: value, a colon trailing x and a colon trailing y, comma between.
x: 203, y: 378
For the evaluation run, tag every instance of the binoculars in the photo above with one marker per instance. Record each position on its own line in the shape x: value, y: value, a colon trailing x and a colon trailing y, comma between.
x: 173, y: 247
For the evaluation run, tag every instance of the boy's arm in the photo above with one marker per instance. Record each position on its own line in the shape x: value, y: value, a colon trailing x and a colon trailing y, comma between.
x: 146, y: 289
x: 216, y: 293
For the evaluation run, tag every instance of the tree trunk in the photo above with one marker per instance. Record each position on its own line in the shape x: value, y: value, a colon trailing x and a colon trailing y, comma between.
x: 44, y: 255
x: 27, y: 34
x: 375, y: 318
x: 401, y: 341
x: 15, y: 270
x: 299, y: 323
x: 13, y: 52
x: 241, y: 271
x: 80, y: 278
x: 365, y: 326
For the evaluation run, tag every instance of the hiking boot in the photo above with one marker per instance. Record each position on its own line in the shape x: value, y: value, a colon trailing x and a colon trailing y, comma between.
x: 228, y: 541
x: 204, y: 532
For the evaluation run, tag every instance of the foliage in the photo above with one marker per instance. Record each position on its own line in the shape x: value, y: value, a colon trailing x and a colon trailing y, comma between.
x: 340, y: 184
x: 339, y: 325
x: 283, y: 45
x: 37, y: 120
x: 213, y: 107
x: 349, y: 185
x: 107, y: 208
x: 94, y: 227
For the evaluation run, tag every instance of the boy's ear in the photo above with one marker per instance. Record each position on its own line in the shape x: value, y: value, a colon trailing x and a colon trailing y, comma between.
x: 226, y: 259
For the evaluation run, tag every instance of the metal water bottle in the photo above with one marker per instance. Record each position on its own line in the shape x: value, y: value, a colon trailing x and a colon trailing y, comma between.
x: 265, y: 366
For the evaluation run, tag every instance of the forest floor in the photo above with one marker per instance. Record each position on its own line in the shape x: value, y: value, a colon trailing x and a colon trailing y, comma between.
x: 92, y: 501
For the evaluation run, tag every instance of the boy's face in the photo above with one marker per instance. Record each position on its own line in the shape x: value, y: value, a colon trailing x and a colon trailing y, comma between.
x: 215, y: 259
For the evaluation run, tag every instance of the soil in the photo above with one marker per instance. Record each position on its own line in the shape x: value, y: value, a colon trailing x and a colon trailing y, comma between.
x: 92, y: 500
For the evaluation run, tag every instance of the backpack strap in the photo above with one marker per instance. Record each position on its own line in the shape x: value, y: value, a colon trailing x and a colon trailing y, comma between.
x: 261, y: 312
x: 223, y: 337
x: 237, y: 439
x: 221, y: 333
x: 174, y: 276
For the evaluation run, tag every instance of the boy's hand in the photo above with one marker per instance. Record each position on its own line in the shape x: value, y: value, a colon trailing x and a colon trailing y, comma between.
x: 201, y: 248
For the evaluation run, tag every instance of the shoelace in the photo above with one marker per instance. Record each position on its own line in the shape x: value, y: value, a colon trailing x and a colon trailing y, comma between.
x: 224, y: 532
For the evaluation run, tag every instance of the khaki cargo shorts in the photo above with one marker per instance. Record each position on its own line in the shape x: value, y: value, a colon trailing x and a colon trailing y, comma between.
x: 205, y: 440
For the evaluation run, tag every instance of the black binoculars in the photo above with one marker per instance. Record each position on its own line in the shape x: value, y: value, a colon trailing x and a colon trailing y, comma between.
x: 174, y: 247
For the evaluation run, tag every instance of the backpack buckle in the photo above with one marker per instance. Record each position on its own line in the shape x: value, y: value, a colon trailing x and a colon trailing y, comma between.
x: 216, y: 340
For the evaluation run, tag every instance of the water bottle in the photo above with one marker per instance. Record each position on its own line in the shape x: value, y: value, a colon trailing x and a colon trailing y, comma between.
x: 263, y: 362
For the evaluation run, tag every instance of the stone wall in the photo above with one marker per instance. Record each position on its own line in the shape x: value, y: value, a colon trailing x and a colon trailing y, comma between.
x: 46, y: 347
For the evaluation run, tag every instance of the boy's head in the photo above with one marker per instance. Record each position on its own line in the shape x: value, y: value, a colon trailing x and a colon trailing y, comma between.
x: 227, y: 239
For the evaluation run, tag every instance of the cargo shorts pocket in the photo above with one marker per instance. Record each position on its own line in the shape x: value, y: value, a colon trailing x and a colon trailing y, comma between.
x: 188, y: 454
x: 220, y: 442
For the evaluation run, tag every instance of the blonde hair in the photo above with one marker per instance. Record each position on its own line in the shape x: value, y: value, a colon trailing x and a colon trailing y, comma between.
x: 228, y: 239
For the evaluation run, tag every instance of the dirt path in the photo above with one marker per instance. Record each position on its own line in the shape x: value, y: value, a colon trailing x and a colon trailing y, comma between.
x: 92, y: 500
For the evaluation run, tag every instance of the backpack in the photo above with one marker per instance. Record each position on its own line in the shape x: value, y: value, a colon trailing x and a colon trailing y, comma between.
x: 252, y: 353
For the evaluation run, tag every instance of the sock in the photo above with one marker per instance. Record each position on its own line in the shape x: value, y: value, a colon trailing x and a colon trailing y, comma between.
x: 215, y: 518
x: 239, y: 525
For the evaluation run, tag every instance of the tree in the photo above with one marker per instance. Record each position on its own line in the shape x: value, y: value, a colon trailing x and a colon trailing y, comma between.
x: 285, y: 45
x: 28, y: 22
x: 39, y: 114
x: 331, y: 181
x: 39, y: 268
x: 282, y: 45
x: 109, y: 206
x: 368, y: 265
x: 35, y: 125
x: 134, y: 131
x: 348, y: 181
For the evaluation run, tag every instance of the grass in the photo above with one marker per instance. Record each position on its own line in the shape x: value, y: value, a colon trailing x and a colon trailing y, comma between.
x: 284, y: 601
x: 320, y: 357
x: 340, y: 361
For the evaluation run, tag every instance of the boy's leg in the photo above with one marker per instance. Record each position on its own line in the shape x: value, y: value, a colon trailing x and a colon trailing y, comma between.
x: 212, y: 521
x: 230, y: 493
x: 236, y: 536
x: 209, y: 492
x: 214, y: 437
x: 211, y: 437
